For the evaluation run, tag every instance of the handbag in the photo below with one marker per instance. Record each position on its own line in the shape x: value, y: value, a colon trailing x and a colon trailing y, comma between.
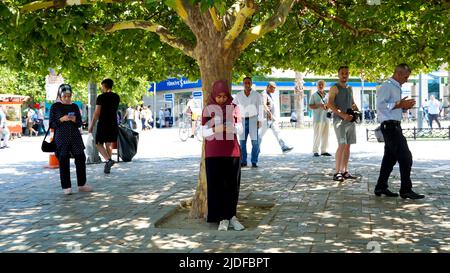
x: 48, y: 147
x: 379, y: 134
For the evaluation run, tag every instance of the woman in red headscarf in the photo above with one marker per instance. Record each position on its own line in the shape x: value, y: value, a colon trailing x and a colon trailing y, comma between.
x: 221, y: 122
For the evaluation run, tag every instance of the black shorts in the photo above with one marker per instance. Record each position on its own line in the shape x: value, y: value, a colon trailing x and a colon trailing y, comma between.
x: 106, y: 134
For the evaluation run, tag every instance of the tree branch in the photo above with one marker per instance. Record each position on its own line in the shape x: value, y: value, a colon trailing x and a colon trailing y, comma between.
x: 355, y: 31
x: 180, y: 8
x: 57, y: 4
x: 238, y: 25
x: 185, y: 46
x: 270, y: 24
x: 215, y: 18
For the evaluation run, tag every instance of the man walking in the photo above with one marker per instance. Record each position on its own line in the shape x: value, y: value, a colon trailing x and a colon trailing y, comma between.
x: 250, y: 105
x: 270, y: 118
x: 434, y: 108
x: 340, y: 101
x: 106, y: 115
x: 321, y: 122
x: 389, y: 110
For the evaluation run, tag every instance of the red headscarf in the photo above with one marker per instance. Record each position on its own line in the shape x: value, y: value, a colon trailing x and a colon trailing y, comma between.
x: 220, y: 86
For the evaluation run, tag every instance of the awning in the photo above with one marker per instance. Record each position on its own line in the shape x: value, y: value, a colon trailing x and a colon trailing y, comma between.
x: 13, y: 98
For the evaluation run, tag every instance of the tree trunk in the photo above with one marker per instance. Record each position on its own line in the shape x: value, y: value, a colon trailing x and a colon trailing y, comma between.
x: 214, y: 65
x: 299, y: 95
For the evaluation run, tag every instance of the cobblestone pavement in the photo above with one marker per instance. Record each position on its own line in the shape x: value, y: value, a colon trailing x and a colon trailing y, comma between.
x: 311, y: 212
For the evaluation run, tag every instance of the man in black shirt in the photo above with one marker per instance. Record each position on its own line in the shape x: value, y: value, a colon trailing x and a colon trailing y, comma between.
x: 106, y: 114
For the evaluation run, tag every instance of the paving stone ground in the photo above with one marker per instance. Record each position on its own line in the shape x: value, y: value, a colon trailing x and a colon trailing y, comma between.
x: 311, y: 212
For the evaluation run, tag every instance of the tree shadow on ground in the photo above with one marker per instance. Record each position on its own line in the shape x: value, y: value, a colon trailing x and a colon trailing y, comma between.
x: 314, y: 213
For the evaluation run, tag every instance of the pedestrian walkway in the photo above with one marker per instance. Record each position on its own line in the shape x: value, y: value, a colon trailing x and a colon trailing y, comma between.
x: 310, y: 213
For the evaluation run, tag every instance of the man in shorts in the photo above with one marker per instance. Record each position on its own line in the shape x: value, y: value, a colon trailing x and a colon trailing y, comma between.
x: 107, y: 128
x: 340, y: 100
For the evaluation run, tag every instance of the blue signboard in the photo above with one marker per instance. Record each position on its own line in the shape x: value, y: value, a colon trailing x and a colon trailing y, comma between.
x: 197, y: 94
x: 183, y: 83
x: 175, y: 84
x: 168, y: 97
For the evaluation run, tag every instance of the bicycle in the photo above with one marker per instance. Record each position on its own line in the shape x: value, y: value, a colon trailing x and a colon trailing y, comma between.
x: 185, y: 130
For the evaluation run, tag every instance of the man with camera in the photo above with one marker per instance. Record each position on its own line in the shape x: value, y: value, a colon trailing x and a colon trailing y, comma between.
x: 341, y: 102
x: 389, y: 110
x: 321, y: 119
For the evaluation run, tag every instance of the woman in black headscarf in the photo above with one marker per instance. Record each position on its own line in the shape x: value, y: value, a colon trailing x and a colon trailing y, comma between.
x: 65, y: 119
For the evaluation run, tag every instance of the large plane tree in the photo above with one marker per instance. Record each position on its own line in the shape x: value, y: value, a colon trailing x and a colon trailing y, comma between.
x: 221, y: 39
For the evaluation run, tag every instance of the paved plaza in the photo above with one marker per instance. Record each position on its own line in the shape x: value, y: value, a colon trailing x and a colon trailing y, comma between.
x: 308, y: 211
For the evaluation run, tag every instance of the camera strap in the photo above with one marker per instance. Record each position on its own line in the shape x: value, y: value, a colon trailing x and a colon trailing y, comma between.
x: 321, y: 98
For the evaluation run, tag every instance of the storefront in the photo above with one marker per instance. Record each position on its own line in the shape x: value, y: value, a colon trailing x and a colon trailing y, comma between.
x: 174, y: 94
x: 12, y: 106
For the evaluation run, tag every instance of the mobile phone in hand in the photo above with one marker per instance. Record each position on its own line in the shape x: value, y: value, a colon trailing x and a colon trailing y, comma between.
x: 71, y: 114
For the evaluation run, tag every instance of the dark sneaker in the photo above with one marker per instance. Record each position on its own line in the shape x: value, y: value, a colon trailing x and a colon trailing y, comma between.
x: 108, y: 166
x: 386, y: 192
x: 243, y: 164
x: 254, y: 165
x: 287, y: 149
x: 347, y: 175
x: 338, y: 177
x: 325, y: 154
x: 411, y: 195
x: 316, y: 154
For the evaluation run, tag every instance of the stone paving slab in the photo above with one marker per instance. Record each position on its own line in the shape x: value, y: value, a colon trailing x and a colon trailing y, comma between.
x: 312, y: 213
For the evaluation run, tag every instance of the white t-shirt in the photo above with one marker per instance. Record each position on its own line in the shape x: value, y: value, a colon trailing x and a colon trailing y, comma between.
x: 130, y: 113
x: 434, y: 107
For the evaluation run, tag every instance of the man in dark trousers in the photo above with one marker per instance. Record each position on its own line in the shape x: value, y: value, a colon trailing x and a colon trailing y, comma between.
x: 106, y: 115
x: 389, y: 109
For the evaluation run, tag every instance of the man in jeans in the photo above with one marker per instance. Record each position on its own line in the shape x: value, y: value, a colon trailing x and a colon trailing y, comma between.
x: 250, y: 105
x: 434, y: 108
x: 389, y: 110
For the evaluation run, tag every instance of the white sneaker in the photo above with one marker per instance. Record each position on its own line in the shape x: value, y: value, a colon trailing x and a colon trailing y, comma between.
x: 67, y: 191
x: 223, y: 225
x: 235, y: 223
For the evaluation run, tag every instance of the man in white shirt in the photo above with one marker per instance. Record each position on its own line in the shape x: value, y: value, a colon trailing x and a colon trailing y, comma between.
x: 130, y: 116
x: 250, y: 105
x: 321, y: 122
x: 389, y: 110
x: 434, y: 108
x: 270, y: 118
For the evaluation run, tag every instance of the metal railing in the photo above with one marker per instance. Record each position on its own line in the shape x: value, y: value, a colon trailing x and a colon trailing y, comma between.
x: 417, y: 133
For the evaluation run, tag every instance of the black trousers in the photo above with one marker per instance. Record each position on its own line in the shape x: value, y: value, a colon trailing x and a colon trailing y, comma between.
x: 395, y: 150
x: 224, y: 178
x: 432, y: 117
x: 64, y: 170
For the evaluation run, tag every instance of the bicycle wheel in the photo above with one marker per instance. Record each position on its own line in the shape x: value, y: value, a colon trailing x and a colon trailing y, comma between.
x: 183, y: 132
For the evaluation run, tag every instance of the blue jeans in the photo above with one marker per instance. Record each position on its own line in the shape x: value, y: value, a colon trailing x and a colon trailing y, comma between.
x: 255, y: 142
